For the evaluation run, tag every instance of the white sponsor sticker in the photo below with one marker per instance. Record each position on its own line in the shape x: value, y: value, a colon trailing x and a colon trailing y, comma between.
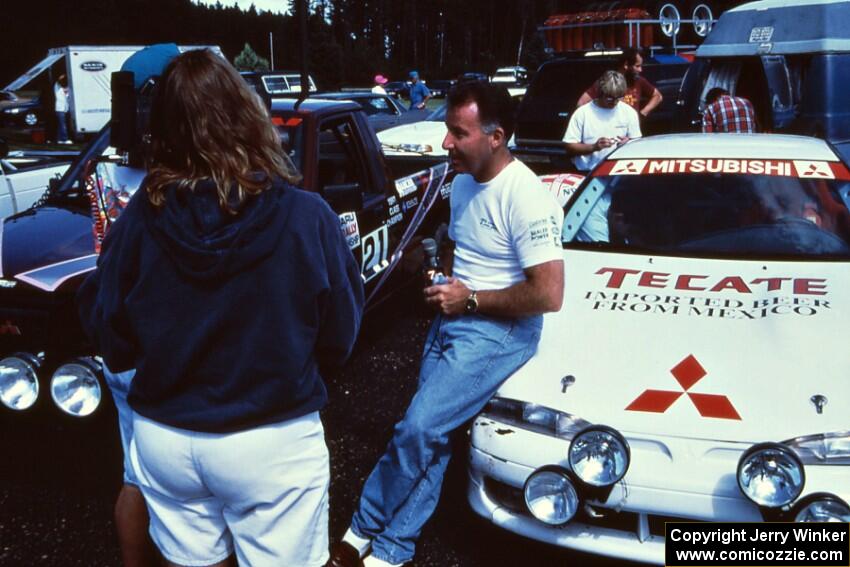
x: 629, y: 167
x: 349, y: 228
x: 405, y: 187
x: 813, y: 169
x: 375, y: 248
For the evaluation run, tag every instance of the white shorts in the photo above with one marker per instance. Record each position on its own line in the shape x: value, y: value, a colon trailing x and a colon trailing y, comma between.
x: 262, y: 493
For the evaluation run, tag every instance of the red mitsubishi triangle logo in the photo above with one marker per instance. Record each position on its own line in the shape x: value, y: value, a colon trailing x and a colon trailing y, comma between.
x: 688, y: 372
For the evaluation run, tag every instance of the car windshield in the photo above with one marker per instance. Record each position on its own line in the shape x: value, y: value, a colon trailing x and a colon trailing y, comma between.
x: 713, y: 214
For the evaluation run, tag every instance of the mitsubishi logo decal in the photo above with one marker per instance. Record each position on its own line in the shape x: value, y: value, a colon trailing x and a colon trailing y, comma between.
x: 688, y: 372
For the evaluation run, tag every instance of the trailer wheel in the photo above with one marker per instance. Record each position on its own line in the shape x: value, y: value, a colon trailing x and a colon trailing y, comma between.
x: 670, y: 17
x: 702, y: 16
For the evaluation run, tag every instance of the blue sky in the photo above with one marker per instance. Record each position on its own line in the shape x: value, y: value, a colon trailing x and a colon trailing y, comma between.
x: 269, y: 5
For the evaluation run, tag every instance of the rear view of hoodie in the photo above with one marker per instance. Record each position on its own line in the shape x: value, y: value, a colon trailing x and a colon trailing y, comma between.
x: 226, y: 317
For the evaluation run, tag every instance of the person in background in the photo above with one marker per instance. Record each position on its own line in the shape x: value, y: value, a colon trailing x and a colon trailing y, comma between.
x: 419, y: 93
x: 61, y: 95
x: 380, y: 81
x: 630, y: 64
x: 596, y: 129
x: 506, y: 270
x: 727, y: 113
x: 227, y: 288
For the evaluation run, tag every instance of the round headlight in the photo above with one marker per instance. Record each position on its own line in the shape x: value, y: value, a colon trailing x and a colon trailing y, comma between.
x: 550, y: 496
x: 19, y: 381
x: 599, y: 456
x: 822, y: 507
x: 75, y: 388
x: 771, y: 475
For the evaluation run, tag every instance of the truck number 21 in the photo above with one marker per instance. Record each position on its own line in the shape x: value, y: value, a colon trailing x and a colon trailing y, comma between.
x: 374, y: 248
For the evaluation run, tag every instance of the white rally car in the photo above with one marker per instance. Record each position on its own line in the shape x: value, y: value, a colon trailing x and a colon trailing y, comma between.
x: 698, y: 369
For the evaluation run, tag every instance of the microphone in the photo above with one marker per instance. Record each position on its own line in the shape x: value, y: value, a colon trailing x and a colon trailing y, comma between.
x: 433, y: 270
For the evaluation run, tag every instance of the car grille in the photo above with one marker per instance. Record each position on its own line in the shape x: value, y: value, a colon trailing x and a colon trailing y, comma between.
x: 512, y: 498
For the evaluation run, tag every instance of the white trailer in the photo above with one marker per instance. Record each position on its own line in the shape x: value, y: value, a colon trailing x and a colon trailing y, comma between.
x: 89, y: 70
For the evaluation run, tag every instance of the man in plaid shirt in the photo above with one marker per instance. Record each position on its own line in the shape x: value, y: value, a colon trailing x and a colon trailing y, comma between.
x: 727, y: 113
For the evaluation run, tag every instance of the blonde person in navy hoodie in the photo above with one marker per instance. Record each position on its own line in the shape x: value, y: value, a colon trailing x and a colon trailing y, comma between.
x: 227, y: 288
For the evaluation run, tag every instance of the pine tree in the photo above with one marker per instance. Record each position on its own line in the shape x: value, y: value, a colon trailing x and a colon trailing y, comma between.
x: 248, y: 60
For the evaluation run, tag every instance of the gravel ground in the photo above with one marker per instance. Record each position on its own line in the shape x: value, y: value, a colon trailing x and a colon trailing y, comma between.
x: 59, y: 479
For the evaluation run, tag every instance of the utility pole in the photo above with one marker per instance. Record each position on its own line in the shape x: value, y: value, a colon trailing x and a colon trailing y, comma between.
x: 302, y: 25
x: 271, y: 48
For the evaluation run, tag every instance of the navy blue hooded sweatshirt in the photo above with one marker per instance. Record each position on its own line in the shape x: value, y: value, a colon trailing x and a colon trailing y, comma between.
x: 226, y: 318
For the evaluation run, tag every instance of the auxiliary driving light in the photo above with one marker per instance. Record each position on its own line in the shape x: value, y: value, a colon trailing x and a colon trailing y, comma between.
x: 75, y: 388
x: 19, y: 381
x: 821, y: 507
x: 599, y: 456
x: 771, y: 475
x: 550, y: 495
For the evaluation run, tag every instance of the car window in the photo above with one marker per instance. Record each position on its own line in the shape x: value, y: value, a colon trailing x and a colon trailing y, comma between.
x: 276, y: 84
x: 376, y: 105
x: 340, y: 158
x: 713, y: 213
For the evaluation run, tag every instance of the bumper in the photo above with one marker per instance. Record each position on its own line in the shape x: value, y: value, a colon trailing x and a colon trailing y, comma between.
x: 574, y: 535
x: 669, y: 479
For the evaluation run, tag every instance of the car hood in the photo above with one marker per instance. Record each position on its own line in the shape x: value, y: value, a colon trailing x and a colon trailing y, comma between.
x: 20, y: 102
x: 45, y: 246
x: 640, y: 347
x: 426, y: 132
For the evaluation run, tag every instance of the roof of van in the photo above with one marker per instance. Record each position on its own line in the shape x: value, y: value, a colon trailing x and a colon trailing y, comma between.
x: 780, y: 27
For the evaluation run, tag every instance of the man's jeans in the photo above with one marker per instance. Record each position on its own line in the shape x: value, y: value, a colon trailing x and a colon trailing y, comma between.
x: 61, y: 126
x: 466, y: 358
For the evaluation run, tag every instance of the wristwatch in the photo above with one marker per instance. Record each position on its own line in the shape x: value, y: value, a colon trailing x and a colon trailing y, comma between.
x: 472, y: 302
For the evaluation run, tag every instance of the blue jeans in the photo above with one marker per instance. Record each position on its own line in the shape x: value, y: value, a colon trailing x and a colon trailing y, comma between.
x: 465, y: 360
x: 61, y: 126
x: 119, y: 385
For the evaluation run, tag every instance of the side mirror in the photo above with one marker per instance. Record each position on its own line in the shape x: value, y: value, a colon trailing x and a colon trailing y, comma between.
x: 53, y: 184
x: 123, y: 135
x: 4, y: 148
x: 344, y: 197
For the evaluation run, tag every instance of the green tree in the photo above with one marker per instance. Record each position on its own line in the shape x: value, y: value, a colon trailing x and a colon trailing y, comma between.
x: 248, y: 60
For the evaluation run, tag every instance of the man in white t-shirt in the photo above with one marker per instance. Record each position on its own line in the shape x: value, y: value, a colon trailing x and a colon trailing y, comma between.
x: 596, y: 129
x: 506, y: 270
x: 62, y: 106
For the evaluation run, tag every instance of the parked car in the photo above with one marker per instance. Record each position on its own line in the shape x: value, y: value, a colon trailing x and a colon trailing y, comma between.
x: 398, y: 88
x: 440, y: 87
x: 474, y: 76
x: 411, y: 147
x: 48, y: 250
x: 696, y: 371
x: 510, y: 76
x: 550, y: 100
x: 382, y: 111
x: 790, y: 59
x: 20, y: 113
x: 25, y: 176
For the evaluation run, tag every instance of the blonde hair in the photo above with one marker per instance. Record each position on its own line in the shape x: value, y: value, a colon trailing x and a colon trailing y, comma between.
x: 612, y: 84
x: 205, y: 123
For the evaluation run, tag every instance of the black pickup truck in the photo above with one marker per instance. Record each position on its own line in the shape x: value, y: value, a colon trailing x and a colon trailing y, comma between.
x: 46, y: 251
